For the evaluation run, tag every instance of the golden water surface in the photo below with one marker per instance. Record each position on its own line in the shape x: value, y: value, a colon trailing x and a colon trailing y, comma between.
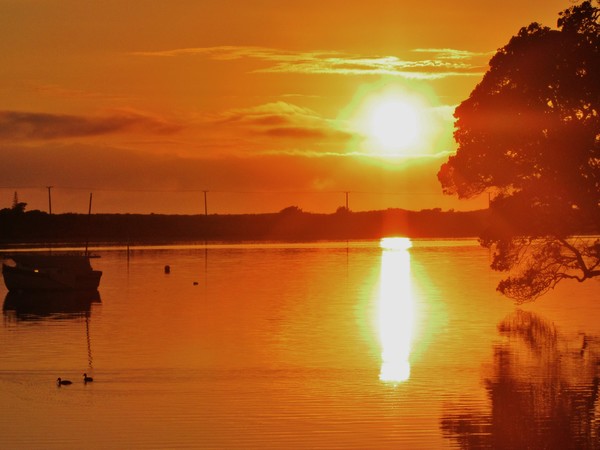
x: 391, y: 344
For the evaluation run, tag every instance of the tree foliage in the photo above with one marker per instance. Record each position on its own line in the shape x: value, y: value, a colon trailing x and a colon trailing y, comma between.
x: 529, y: 135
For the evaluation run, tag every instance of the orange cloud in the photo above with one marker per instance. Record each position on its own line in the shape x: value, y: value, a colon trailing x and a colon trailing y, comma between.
x: 306, y: 133
x: 447, y: 62
x: 16, y: 125
x: 285, y: 120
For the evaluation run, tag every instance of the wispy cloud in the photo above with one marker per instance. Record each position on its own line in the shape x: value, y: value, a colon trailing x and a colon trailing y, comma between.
x: 453, y: 54
x: 43, y: 126
x: 278, y: 112
x: 283, y: 120
x: 362, y: 154
x: 441, y: 63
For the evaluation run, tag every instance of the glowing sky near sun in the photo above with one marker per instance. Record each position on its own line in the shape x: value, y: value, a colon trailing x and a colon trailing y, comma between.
x: 265, y: 104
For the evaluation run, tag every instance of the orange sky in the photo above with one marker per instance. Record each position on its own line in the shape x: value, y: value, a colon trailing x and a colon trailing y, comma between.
x: 266, y: 104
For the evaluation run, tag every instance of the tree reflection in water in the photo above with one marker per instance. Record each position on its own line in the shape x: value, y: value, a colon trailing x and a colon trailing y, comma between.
x: 543, y: 392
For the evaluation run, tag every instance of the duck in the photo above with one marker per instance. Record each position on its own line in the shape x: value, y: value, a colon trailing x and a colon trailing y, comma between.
x: 61, y: 382
x: 87, y: 379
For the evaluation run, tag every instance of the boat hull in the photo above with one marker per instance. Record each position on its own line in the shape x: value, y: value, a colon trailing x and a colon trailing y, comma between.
x: 25, y: 279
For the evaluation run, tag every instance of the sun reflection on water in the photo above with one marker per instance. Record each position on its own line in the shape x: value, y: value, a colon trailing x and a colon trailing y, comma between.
x: 396, y: 310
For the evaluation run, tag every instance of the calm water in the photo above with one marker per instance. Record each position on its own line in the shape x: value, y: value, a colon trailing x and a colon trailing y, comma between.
x: 328, y: 345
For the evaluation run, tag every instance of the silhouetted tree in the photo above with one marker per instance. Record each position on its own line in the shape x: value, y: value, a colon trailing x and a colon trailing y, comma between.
x: 529, y: 135
x: 17, y: 206
x: 291, y: 210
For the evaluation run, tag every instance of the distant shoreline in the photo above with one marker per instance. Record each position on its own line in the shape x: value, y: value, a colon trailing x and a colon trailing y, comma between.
x: 290, y: 224
x: 38, y: 228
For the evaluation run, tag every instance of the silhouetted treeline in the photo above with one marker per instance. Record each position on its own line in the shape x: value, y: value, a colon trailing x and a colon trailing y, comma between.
x: 289, y: 224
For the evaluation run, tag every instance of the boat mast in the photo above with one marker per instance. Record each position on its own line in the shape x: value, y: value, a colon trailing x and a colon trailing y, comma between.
x: 87, y: 238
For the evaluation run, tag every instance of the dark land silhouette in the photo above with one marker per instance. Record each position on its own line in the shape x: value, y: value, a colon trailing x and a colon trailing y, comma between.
x: 18, y: 226
x: 291, y: 224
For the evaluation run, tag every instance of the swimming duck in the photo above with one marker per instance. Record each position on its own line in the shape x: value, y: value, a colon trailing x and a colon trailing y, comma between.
x: 87, y: 379
x: 62, y: 382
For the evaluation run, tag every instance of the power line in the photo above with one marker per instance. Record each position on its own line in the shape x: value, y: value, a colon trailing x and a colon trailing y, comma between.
x: 217, y: 191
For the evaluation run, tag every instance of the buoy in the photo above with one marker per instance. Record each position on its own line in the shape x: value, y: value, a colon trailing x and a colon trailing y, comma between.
x: 167, y: 269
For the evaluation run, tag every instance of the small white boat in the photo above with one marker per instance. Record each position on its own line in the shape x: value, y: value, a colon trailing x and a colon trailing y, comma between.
x: 50, y: 272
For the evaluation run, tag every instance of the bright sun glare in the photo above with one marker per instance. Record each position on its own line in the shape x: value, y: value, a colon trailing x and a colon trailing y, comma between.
x: 396, y: 310
x: 394, y: 124
x: 395, y: 120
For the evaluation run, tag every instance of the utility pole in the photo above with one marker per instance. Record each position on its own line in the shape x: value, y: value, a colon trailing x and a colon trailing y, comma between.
x: 205, y: 204
x: 49, y: 199
x: 347, y: 200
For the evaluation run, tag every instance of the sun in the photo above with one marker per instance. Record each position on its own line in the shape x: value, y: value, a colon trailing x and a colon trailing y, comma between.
x: 394, y: 124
